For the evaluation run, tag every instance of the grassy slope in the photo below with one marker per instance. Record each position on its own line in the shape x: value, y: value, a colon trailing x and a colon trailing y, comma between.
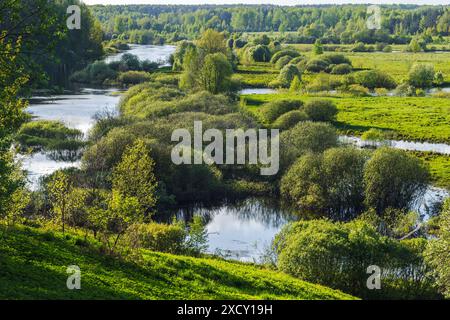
x: 33, y: 265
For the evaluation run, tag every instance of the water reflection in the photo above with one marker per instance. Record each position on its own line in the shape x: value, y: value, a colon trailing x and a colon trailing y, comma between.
x: 239, y: 230
x: 153, y: 53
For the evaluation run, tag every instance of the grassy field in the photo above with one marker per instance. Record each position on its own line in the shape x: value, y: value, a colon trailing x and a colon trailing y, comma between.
x: 410, y: 118
x: 439, y: 166
x: 33, y: 266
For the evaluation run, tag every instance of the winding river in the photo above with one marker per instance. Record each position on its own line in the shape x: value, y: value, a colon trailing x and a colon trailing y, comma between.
x: 240, y: 230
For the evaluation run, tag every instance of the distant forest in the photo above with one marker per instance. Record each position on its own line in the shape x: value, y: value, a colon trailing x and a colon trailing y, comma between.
x: 301, y: 24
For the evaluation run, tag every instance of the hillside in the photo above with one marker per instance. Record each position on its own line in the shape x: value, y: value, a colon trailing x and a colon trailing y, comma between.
x: 33, y: 266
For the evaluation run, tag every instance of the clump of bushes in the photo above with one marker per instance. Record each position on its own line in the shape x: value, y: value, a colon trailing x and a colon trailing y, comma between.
x: 421, y: 75
x: 320, y: 110
x: 374, y: 79
x: 133, y: 77
x: 317, y: 65
x: 274, y: 109
x: 289, y: 119
x: 259, y: 53
x: 342, y: 68
x: 282, y: 62
x: 282, y: 53
x: 287, y: 74
x: 338, y: 255
x: 49, y: 136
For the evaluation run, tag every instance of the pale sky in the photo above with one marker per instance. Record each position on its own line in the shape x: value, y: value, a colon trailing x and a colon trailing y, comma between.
x: 278, y: 2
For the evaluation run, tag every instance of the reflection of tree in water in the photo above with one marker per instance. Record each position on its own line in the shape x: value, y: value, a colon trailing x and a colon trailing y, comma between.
x: 64, y: 155
x: 266, y: 211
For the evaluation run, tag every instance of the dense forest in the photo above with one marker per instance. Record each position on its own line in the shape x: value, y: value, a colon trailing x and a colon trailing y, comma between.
x: 333, y: 24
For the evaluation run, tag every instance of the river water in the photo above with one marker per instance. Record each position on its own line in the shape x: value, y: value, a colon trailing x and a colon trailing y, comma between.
x: 240, y: 230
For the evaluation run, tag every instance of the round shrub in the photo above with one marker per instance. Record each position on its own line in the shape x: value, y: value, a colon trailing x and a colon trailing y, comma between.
x: 287, y: 52
x: 157, y: 237
x: 306, y: 137
x: 374, y: 79
x: 287, y: 74
x: 317, y: 65
x: 259, y: 53
x: 421, y: 75
x: 282, y: 62
x: 342, y: 68
x: 133, y: 77
x: 274, y: 109
x: 337, y: 58
x: 320, y: 110
x: 289, y: 119
x: 298, y: 59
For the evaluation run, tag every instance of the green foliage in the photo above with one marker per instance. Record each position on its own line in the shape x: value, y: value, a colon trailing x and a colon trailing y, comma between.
x: 374, y: 79
x: 283, y: 53
x: 421, y: 75
x: 134, y: 176
x: 287, y: 75
x: 49, y: 135
x: 259, y: 53
x: 157, y: 237
x: 289, y: 119
x: 331, y: 183
x: 155, y: 276
x: 338, y: 255
x: 317, y: 65
x: 63, y: 197
x: 197, y: 241
x: 133, y: 77
x: 282, y: 62
x: 211, y: 42
x: 321, y: 110
x: 215, y: 74
x: 276, y: 108
x: 318, y: 48
x: 296, y: 84
x: 342, y: 68
x: 394, y: 179
x: 306, y: 137
x: 437, y: 253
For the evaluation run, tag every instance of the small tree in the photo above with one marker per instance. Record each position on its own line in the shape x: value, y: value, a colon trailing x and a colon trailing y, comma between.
x: 439, y: 78
x: 318, y: 48
x: 215, y: 74
x: 197, y: 241
x: 296, y: 84
x: 62, y: 196
x: 134, y: 176
x: 321, y: 110
x: 394, y: 179
x: 212, y: 41
x: 421, y: 75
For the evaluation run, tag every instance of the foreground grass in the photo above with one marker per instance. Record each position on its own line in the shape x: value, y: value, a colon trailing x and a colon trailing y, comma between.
x: 33, y: 266
x: 411, y: 118
x: 439, y: 166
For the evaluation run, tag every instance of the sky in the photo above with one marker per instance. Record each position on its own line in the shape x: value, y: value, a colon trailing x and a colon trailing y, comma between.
x: 278, y: 2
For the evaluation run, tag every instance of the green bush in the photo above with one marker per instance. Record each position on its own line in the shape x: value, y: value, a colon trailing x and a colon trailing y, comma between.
x: 287, y: 74
x: 421, y: 75
x: 274, y: 109
x: 306, y: 137
x: 339, y: 254
x: 282, y: 62
x: 321, y: 110
x: 157, y: 237
x: 289, y: 119
x: 374, y: 79
x: 394, y: 179
x: 133, y: 77
x: 259, y: 53
x: 342, y: 68
x: 287, y: 52
x: 317, y: 65
x: 337, y: 58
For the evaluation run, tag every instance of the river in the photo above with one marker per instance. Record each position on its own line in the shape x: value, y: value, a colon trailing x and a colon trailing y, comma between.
x: 240, y: 230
